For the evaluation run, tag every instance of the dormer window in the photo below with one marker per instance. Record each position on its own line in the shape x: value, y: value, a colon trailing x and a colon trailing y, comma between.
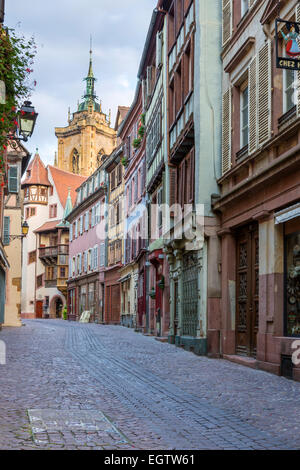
x: 28, y: 172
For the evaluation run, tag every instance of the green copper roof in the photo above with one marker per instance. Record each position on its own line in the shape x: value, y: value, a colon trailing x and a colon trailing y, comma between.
x: 67, y: 211
x: 90, y: 95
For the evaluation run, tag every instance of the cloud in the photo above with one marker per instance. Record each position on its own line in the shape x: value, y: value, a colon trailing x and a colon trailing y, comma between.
x: 62, y: 30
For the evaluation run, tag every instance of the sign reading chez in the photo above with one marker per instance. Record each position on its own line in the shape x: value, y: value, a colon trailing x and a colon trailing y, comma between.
x: 287, y: 44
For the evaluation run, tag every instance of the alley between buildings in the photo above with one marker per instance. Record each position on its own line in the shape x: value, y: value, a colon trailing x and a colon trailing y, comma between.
x: 68, y: 385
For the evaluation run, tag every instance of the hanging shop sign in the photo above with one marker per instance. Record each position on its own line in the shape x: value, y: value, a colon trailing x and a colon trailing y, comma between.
x: 289, y: 33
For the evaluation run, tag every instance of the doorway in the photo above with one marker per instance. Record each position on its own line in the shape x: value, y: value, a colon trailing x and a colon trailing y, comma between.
x: 58, y: 308
x: 39, y: 309
x: 247, y: 290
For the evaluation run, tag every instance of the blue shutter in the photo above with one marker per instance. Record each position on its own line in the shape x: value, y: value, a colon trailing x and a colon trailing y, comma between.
x: 13, y: 185
x: 71, y: 232
x: 6, y: 230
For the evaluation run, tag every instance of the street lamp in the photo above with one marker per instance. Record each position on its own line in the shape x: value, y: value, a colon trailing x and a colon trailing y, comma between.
x: 25, y: 229
x: 26, y: 120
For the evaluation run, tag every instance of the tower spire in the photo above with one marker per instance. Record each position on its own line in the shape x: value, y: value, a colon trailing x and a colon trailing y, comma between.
x: 90, y: 97
x: 90, y: 73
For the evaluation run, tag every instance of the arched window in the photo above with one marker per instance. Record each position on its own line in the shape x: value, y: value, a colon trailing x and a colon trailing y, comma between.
x: 76, y: 162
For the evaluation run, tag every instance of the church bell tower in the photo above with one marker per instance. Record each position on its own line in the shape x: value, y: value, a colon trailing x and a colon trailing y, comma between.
x: 88, y: 138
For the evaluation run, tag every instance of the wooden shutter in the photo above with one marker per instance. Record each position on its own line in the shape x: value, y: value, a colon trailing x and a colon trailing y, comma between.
x: 13, y: 179
x: 226, y: 131
x: 173, y: 185
x: 6, y: 230
x: 158, y: 49
x: 264, y: 93
x: 252, y: 106
x: 149, y: 80
x: 227, y: 21
x: 191, y: 177
x: 297, y: 14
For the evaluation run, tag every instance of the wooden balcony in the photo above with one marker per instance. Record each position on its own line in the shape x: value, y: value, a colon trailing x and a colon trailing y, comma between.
x: 49, y: 254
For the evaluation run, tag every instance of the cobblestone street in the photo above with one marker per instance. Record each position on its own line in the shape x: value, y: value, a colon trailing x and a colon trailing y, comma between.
x: 86, y: 386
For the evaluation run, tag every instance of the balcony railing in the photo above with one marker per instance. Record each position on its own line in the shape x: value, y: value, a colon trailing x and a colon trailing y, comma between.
x: 182, y: 121
x: 53, y: 251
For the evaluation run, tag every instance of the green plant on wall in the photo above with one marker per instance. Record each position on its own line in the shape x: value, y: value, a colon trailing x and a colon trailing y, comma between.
x: 16, y: 61
x: 136, y: 143
x: 124, y: 161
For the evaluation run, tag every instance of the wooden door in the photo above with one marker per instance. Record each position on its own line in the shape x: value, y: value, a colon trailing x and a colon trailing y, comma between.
x: 39, y: 309
x: 247, y: 293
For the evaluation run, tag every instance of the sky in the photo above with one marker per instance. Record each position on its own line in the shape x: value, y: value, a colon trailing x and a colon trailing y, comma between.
x: 62, y: 30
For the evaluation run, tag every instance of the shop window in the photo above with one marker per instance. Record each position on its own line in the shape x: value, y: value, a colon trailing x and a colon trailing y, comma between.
x: 292, y: 287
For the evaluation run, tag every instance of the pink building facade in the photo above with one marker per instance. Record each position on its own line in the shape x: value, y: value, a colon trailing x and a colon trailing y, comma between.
x: 87, y: 250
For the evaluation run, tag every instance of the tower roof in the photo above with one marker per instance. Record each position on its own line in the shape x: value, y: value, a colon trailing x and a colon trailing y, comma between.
x: 67, y: 211
x: 36, y: 173
x: 90, y: 94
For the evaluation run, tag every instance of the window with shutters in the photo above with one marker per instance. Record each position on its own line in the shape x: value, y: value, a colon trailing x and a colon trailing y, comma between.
x: 227, y: 21
x: 6, y: 230
x: 112, y: 180
x: 188, y: 70
x: 154, y: 135
x: 31, y: 257
x: 226, y: 131
x: 119, y: 174
x: 159, y: 200
x: 76, y: 229
x: 244, y: 116
x: 13, y: 180
x: 102, y: 254
x: 130, y: 196
x: 179, y: 14
x: 39, y: 281
x: 86, y: 225
x: 178, y: 89
x: 30, y: 212
x: 159, y: 46
x: 264, y: 93
x: 81, y: 224
x: 53, y: 211
x: 171, y: 27
x: 93, y: 217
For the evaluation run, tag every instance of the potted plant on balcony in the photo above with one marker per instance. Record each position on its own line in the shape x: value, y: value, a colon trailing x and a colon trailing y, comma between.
x: 124, y: 161
x: 136, y: 143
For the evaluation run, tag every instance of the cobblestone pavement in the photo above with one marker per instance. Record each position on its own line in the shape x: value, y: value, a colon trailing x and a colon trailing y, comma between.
x: 84, y: 386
